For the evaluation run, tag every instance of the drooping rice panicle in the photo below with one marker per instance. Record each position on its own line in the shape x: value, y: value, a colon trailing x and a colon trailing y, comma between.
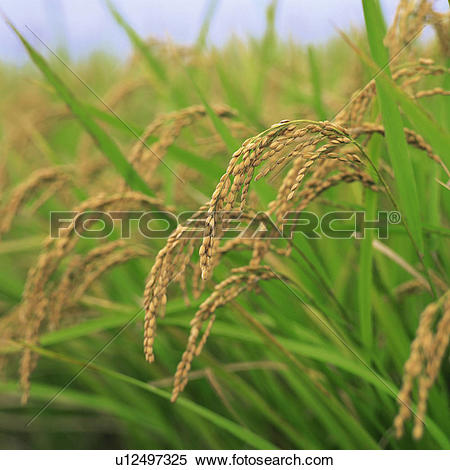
x: 37, y: 180
x: 423, y: 364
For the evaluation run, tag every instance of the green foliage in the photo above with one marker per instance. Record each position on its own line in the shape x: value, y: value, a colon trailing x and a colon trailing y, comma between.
x: 393, y: 124
x: 105, y: 143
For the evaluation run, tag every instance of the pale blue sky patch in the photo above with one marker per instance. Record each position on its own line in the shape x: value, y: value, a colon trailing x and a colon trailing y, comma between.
x: 85, y: 26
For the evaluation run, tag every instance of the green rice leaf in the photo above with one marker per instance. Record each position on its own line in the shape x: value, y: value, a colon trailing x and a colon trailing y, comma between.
x: 107, y: 146
x: 155, y: 64
x: 231, y: 143
x: 316, y: 85
x: 211, y: 9
x: 245, y: 435
x: 393, y: 123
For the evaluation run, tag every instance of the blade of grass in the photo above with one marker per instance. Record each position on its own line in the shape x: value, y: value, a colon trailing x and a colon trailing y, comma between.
x: 239, y: 386
x: 107, y: 146
x: 266, y: 56
x: 437, y: 136
x: 316, y: 85
x: 91, y: 401
x: 231, y: 143
x: 211, y: 9
x: 236, y: 96
x: 236, y: 430
x: 155, y: 64
x: 365, y: 289
x: 430, y: 129
x: 393, y: 123
x: 207, y: 168
x: 112, y: 120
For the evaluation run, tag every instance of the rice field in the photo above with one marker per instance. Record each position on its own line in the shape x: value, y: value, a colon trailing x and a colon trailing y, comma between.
x: 219, y: 342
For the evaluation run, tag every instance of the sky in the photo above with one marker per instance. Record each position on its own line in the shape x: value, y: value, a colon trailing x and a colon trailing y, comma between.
x: 84, y: 26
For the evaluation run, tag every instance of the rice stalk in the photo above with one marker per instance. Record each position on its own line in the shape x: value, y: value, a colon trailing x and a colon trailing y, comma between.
x: 412, y: 137
x: 34, y: 300
x: 410, y: 17
x: 244, y: 279
x: 173, y: 259
x: 168, y: 127
x: 76, y: 270
x: 406, y: 75
x: 423, y: 364
x: 26, y: 190
x: 267, y: 145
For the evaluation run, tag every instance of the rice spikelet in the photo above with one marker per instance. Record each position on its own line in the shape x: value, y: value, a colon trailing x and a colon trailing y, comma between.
x: 423, y: 364
x: 40, y: 178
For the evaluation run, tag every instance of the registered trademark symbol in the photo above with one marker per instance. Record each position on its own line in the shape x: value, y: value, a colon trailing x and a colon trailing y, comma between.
x: 394, y: 217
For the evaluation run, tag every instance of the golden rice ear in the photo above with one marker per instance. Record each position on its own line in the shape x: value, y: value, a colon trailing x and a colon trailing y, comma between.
x: 423, y: 364
x: 412, y: 137
x: 167, y: 128
x: 353, y: 114
x: 242, y: 279
x: 409, y: 20
x: 34, y: 308
x: 170, y: 262
x: 311, y: 141
x: 83, y: 272
x: 39, y: 179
